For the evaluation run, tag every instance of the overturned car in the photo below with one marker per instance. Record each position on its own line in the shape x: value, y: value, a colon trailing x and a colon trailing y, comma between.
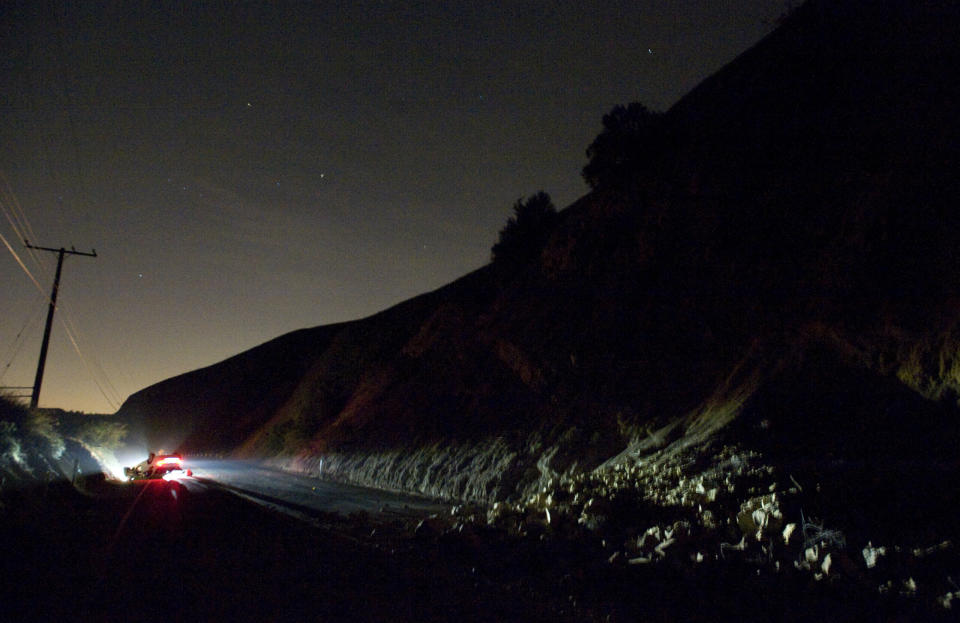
x: 157, y: 466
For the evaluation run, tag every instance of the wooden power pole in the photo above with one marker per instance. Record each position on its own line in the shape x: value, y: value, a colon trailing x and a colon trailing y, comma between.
x: 38, y: 380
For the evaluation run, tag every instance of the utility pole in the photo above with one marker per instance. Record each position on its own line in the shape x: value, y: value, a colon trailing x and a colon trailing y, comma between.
x: 35, y: 397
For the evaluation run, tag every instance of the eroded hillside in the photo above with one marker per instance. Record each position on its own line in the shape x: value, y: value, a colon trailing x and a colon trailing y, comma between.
x: 798, y: 218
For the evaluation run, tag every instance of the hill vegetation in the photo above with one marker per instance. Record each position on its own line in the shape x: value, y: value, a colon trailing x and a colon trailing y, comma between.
x: 526, y: 232
x: 40, y: 445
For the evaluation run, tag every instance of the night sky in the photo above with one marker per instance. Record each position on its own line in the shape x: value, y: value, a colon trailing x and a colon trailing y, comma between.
x: 244, y: 170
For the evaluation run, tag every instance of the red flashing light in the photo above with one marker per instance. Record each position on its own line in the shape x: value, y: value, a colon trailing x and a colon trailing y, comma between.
x: 170, y: 460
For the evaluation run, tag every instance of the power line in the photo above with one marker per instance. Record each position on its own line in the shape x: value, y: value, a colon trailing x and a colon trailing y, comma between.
x: 94, y: 369
x: 18, y: 341
x: 18, y: 220
x: 20, y: 262
x: 89, y: 366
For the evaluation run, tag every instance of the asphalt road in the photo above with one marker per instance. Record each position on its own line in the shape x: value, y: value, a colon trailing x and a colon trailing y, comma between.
x: 301, y: 496
x: 198, y: 549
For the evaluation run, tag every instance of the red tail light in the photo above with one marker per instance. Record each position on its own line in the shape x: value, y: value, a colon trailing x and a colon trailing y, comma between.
x: 170, y: 460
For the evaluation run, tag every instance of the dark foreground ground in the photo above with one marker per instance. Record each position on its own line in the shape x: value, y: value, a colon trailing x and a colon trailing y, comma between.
x: 166, y: 551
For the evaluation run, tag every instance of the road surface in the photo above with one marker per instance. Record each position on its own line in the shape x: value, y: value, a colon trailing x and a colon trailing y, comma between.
x: 197, y: 549
x: 302, y: 496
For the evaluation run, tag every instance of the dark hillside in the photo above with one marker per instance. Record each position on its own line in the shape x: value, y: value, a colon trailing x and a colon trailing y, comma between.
x: 805, y: 190
x: 828, y: 154
x: 217, y: 408
x: 214, y: 408
x: 399, y: 376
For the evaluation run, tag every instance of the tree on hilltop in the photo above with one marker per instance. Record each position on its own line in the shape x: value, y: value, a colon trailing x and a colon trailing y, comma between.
x: 526, y: 232
x: 631, y: 143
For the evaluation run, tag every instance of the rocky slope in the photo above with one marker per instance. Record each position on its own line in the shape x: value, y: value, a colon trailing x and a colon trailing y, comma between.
x: 785, y: 278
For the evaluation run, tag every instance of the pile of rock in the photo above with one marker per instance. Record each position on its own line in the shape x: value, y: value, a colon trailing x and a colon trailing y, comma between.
x: 716, y: 506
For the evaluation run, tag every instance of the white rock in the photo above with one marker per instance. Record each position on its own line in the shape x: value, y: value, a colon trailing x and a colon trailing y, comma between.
x: 921, y: 552
x: 788, y: 532
x: 825, y: 565
x: 871, y: 554
x: 909, y: 587
x: 760, y: 520
x: 812, y: 554
x: 760, y: 516
x: 739, y: 547
x: 649, y: 540
x: 946, y: 600
x: 659, y: 549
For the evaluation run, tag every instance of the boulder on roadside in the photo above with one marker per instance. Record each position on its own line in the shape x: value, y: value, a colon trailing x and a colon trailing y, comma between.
x: 760, y: 517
